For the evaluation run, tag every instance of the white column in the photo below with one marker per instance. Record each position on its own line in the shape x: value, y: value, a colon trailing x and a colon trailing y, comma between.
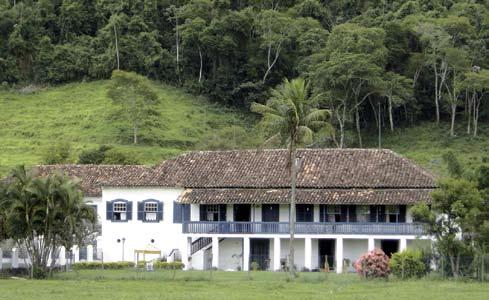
x: 62, y: 256
x: 276, y: 254
x: 76, y: 254
x: 1, y: 259
x: 15, y: 258
x: 90, y: 253
x: 307, y: 253
x: 371, y: 244
x: 215, y: 252
x: 246, y: 253
x: 339, y: 255
x: 402, y: 244
x: 185, y: 250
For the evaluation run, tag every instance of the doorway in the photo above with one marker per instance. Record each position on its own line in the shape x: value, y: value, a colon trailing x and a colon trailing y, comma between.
x: 260, y: 253
x: 326, y: 248
x: 389, y: 246
x: 242, y: 212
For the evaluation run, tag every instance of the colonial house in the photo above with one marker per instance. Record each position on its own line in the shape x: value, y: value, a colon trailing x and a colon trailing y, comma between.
x: 230, y: 209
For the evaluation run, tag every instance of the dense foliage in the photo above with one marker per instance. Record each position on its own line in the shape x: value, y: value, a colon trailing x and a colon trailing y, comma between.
x: 408, y: 264
x: 373, y: 264
x: 43, y: 214
x: 375, y: 63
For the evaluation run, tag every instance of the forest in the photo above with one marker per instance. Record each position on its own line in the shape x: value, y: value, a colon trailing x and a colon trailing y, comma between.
x: 376, y: 65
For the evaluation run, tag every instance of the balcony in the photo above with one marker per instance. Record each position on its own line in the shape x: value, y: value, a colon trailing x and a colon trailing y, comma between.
x: 304, y: 228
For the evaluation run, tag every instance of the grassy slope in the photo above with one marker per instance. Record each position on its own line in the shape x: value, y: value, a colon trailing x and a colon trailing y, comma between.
x: 80, y: 114
x: 195, y: 285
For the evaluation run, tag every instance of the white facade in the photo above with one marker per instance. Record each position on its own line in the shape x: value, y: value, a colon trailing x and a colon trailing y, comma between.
x: 225, y: 251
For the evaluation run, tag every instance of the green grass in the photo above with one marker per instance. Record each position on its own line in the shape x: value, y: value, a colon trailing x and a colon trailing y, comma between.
x: 80, y: 114
x: 130, y: 284
x: 426, y: 143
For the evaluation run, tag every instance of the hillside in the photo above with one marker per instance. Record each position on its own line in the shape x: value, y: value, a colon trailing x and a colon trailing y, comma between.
x: 81, y: 115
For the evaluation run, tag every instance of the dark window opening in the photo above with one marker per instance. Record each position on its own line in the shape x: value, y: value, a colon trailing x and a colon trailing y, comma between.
x: 305, y: 213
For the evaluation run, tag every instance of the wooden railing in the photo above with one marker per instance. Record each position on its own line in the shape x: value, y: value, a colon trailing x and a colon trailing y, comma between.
x: 304, y: 228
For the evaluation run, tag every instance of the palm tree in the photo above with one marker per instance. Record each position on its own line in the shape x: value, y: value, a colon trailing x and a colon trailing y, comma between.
x: 291, y: 118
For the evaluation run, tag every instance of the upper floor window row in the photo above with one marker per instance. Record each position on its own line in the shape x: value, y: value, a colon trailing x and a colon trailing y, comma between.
x: 120, y: 210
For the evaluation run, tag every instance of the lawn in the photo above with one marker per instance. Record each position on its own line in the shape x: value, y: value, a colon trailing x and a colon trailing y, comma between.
x: 131, y: 284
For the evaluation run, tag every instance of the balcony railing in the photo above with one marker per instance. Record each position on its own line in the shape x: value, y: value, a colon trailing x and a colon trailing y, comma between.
x: 304, y: 228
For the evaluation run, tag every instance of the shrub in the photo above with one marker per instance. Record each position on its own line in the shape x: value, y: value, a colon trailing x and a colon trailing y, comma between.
x: 407, y: 264
x: 163, y: 265
x: 57, y: 154
x: 93, y: 156
x: 99, y: 265
x: 116, y: 157
x: 373, y: 264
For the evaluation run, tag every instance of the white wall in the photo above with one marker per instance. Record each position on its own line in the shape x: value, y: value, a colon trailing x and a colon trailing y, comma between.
x: 138, y: 234
x: 299, y: 245
x: 230, y: 254
x: 284, y: 213
x: 352, y: 250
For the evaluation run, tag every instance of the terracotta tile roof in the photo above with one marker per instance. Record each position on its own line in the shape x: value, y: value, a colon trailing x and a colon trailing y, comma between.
x: 316, y: 196
x: 320, y: 168
x: 92, y: 176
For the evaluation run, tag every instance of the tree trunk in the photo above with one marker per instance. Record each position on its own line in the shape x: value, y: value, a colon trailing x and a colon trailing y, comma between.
x: 436, y: 96
x: 116, y: 48
x: 357, y: 122
x: 476, y: 104
x: 380, y: 129
x: 200, y: 70
x: 293, y: 181
x: 469, y: 110
x: 135, y: 135
x: 452, y: 125
x: 391, y: 119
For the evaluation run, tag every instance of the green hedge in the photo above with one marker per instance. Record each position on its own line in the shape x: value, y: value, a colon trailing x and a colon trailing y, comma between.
x: 125, y: 265
x: 98, y: 265
x: 407, y: 264
x: 163, y: 265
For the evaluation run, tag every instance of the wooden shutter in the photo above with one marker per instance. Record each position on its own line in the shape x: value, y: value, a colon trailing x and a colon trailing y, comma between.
x: 222, y: 212
x: 203, y: 212
x: 381, y: 213
x: 159, y: 215
x: 140, y: 211
x: 402, y: 213
x: 323, y: 213
x: 186, y: 212
x: 373, y: 213
x: 352, y: 213
x: 344, y: 213
x: 177, y: 212
x: 129, y: 210
x: 108, y: 210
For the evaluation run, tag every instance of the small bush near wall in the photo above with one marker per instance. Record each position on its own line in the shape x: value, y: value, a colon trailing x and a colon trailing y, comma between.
x: 98, y: 265
x: 407, y: 264
x: 163, y: 265
x: 373, y: 264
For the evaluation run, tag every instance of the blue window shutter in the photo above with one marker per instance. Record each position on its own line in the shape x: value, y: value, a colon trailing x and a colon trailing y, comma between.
x: 352, y: 213
x: 177, y: 212
x: 402, y: 213
x: 373, y: 213
x: 186, y: 212
x: 129, y: 210
x: 203, y: 212
x: 381, y: 213
x: 160, y: 211
x: 323, y: 213
x: 108, y: 210
x: 222, y: 212
x: 140, y: 211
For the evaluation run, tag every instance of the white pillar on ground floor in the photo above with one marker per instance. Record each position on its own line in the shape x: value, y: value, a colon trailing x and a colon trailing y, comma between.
x: 371, y: 244
x: 276, y: 254
x: 89, y: 253
x: 246, y: 254
x: 15, y: 258
x: 339, y: 255
x: 402, y: 244
x: 307, y: 253
x: 62, y: 256
x: 76, y: 254
x: 215, y: 252
x: 185, y: 252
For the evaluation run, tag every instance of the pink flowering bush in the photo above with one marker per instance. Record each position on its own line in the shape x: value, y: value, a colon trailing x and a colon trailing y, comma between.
x: 373, y: 264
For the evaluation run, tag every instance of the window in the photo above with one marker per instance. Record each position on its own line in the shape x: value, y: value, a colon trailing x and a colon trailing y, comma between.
x: 334, y: 213
x: 150, y: 211
x: 363, y: 213
x: 392, y: 213
x: 213, y: 212
x: 305, y: 213
x: 119, y: 211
